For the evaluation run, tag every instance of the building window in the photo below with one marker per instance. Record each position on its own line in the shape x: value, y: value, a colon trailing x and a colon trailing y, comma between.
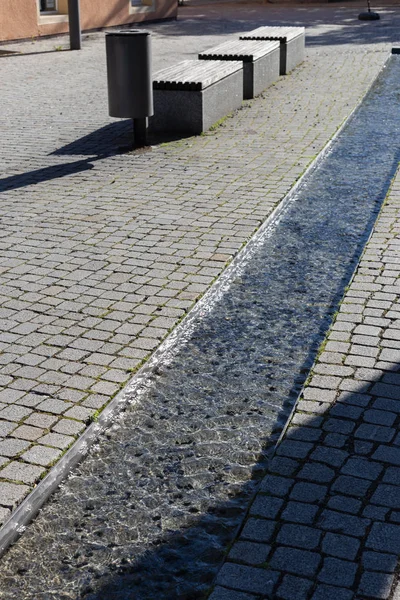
x: 48, y: 6
x: 52, y: 11
x: 139, y: 6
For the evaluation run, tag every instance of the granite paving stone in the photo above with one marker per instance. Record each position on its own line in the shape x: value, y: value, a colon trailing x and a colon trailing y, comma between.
x: 294, y: 587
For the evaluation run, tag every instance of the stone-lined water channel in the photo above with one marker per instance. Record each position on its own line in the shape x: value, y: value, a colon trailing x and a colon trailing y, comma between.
x: 151, y: 511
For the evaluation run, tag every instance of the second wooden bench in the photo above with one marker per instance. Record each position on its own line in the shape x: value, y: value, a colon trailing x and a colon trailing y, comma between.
x: 291, y: 39
x: 260, y: 62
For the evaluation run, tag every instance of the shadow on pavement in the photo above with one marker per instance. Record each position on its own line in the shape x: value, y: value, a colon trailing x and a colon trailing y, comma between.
x: 14, y: 182
x: 325, y: 523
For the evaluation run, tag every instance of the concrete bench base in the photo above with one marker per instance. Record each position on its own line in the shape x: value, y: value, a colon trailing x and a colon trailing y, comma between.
x: 194, y: 98
x: 260, y: 62
x: 292, y: 44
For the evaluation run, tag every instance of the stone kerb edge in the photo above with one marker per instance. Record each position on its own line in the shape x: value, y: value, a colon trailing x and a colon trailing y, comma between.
x: 30, y: 506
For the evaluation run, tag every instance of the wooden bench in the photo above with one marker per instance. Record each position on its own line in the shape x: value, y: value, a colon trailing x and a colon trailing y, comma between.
x: 260, y: 62
x: 193, y: 95
x: 292, y: 41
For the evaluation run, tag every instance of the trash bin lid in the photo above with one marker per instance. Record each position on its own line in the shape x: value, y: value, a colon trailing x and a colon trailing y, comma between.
x: 129, y: 32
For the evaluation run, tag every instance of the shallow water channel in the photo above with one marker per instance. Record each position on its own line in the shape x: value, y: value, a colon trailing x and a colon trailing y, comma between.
x: 151, y: 511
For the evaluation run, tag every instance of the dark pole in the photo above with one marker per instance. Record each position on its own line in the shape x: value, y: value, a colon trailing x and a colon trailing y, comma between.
x: 140, y: 132
x: 74, y: 25
x: 369, y: 15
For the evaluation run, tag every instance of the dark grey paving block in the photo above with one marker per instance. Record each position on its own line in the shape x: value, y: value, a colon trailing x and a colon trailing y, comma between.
x: 341, y: 523
x: 391, y: 378
x: 387, y: 495
x: 283, y: 466
x: 387, y: 404
x: 344, y: 504
x: 338, y: 572
x: 327, y: 592
x: 221, y: 593
x: 392, y: 475
x: 339, y: 426
x: 249, y: 552
x: 362, y: 447
x: 341, y: 546
x: 387, y: 454
x: 375, y: 513
x: 330, y: 456
x: 299, y: 512
x: 298, y: 562
x: 258, y: 530
x: 375, y: 433
x: 313, y: 471
x: 376, y: 585
x: 362, y: 468
x: 294, y: 587
x: 346, y: 411
x: 384, y: 537
x: 247, y: 579
x: 337, y: 440
x: 266, y: 506
x: 376, y: 561
x: 354, y: 398
x: 352, y: 486
x: 386, y: 390
x: 276, y: 486
x: 380, y: 417
x: 299, y: 536
x: 308, y: 492
x: 294, y: 449
x: 305, y: 434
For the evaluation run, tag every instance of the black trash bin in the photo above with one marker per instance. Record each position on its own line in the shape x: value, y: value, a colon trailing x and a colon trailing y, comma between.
x: 130, y: 88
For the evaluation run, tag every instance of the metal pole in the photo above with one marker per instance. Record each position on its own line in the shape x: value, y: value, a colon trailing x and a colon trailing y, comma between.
x: 75, y: 38
x: 140, y: 132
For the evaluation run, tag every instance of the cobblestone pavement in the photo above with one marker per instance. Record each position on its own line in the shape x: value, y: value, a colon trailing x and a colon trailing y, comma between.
x: 151, y: 511
x: 101, y: 254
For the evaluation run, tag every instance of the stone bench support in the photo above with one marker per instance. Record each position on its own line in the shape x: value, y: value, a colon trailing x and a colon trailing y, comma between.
x: 193, y: 95
x: 292, y: 44
x: 260, y: 62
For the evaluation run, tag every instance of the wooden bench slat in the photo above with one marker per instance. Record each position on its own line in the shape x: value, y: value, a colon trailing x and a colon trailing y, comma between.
x: 194, y: 74
x: 272, y: 32
x: 245, y: 50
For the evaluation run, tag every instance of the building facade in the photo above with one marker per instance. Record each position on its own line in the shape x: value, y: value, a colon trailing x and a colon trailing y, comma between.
x: 25, y: 19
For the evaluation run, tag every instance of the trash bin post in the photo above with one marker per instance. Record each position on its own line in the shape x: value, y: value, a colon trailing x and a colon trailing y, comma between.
x: 130, y: 88
x: 75, y: 36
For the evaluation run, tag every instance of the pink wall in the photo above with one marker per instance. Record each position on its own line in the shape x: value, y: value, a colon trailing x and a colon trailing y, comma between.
x: 19, y: 18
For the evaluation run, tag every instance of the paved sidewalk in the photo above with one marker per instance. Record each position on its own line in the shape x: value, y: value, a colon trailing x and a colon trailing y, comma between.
x: 102, y: 254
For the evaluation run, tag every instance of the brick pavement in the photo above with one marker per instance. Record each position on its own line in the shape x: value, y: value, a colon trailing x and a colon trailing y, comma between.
x: 326, y: 521
x: 102, y: 254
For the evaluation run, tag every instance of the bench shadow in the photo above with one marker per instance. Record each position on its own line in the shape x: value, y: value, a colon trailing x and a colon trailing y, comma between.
x: 114, y: 138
